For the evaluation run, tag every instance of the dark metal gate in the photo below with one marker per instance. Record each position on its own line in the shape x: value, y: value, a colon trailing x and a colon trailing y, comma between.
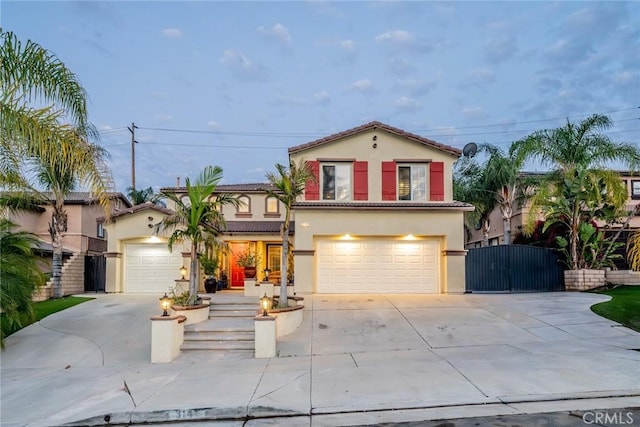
x: 513, y: 268
x: 95, y: 269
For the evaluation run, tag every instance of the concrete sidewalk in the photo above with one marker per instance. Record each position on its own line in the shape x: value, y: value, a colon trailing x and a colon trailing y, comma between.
x: 356, y: 360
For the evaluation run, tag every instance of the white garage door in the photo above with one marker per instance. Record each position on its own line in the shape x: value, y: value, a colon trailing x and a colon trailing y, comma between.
x: 377, y: 266
x: 150, y: 268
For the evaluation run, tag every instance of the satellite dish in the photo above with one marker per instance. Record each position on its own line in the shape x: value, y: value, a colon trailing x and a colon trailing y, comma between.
x: 470, y: 149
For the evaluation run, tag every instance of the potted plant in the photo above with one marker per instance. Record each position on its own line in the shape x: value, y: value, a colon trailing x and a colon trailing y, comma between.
x: 209, y: 267
x: 248, y: 260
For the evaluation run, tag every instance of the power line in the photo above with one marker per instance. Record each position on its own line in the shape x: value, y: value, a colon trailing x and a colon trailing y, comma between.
x: 315, y: 134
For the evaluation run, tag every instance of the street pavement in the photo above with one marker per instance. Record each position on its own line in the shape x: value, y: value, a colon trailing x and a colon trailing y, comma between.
x: 355, y: 360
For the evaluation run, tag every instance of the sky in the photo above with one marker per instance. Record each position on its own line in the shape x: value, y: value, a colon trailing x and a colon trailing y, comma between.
x: 235, y: 84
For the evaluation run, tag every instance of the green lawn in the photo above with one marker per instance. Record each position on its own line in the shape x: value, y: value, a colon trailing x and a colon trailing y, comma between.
x: 624, y: 307
x: 41, y: 310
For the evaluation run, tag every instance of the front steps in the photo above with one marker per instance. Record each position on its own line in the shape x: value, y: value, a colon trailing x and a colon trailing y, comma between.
x: 229, y: 327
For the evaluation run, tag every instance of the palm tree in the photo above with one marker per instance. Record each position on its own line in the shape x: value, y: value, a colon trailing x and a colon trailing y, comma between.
x: 578, y: 184
x: 467, y: 187
x: 197, y: 218
x: 30, y: 77
x: 20, y: 274
x: 501, y: 177
x: 289, y: 184
x: 146, y: 195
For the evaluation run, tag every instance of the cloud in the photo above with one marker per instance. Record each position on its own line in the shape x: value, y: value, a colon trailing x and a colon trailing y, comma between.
x: 163, y: 118
x: 172, y: 33
x: 254, y: 170
x: 104, y: 128
x: 322, y: 98
x: 211, y: 124
x: 241, y: 66
x: 347, y: 44
x: 500, y: 49
x: 400, y: 66
x: 364, y: 86
x: 395, y: 37
x: 401, y: 39
x: 474, y: 113
x: 481, y: 75
x: 291, y: 101
x: 404, y: 103
x: 417, y: 87
x: 157, y: 94
x: 276, y: 33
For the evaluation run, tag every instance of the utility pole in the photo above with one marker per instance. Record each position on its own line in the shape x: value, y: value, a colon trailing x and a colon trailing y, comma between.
x: 132, y: 129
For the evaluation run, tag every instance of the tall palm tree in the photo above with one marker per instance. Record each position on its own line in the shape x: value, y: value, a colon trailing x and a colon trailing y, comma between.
x: 289, y: 184
x: 57, y: 134
x: 501, y: 177
x: 579, y: 183
x: 197, y: 218
x: 145, y: 195
x: 20, y: 274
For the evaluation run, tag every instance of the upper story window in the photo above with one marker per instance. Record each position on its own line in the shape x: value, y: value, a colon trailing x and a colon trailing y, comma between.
x: 635, y: 189
x: 271, y: 205
x: 245, y: 204
x: 100, y: 230
x: 336, y: 182
x: 412, y: 182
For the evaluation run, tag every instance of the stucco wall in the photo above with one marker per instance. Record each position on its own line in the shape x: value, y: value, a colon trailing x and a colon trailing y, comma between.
x: 388, y: 147
x: 446, y: 226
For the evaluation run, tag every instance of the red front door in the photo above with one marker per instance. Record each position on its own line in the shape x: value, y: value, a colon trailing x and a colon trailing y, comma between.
x: 237, y: 272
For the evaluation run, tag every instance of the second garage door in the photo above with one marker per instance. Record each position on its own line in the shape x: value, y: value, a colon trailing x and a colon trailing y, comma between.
x: 377, y: 266
x: 150, y: 268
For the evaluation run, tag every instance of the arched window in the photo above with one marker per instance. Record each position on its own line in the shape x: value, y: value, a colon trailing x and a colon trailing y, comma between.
x: 272, y: 205
x: 245, y: 204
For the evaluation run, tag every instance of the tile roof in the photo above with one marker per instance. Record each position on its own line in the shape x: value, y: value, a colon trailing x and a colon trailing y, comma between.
x: 377, y: 125
x: 385, y: 205
x: 256, y: 227
x: 85, y: 197
x: 230, y: 188
x: 138, y: 208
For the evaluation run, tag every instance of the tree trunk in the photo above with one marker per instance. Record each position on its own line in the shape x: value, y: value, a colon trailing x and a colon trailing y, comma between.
x: 57, y: 228
x: 193, y: 274
x: 506, y: 226
x: 284, y: 301
x: 575, y: 224
x: 486, y: 228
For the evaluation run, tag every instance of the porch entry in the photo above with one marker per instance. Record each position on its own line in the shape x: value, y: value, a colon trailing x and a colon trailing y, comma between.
x: 237, y: 273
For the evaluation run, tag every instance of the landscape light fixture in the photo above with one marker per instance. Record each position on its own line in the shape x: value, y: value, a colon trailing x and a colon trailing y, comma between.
x: 165, y: 303
x: 265, y: 302
x: 183, y: 272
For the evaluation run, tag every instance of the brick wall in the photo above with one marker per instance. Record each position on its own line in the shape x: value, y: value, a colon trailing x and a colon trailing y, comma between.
x: 72, y: 279
x: 583, y: 280
x: 623, y: 277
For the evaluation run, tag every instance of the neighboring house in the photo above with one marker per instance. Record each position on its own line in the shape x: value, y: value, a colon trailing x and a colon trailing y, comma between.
x: 85, y: 236
x: 496, y: 234
x: 379, y: 219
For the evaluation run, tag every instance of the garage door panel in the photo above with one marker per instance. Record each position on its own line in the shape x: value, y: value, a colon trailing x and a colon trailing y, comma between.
x: 150, y: 268
x: 377, y: 266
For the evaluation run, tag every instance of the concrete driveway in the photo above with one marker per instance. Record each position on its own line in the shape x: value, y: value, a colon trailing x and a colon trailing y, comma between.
x: 356, y: 359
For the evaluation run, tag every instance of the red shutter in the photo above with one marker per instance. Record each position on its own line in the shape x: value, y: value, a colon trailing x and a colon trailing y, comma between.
x: 360, y: 180
x: 388, y: 180
x: 312, y: 188
x: 436, y: 181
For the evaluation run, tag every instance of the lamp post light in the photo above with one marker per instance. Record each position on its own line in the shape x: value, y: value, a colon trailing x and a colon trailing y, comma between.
x: 183, y: 272
x: 165, y: 303
x: 266, y: 274
x: 265, y: 303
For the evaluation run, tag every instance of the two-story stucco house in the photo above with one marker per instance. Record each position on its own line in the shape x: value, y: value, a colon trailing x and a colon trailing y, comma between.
x: 85, y: 240
x: 379, y: 218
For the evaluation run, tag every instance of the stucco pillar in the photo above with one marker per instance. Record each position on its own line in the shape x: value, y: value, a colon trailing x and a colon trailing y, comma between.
x: 455, y: 271
x: 265, y: 336
x: 167, y: 335
x: 112, y: 273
